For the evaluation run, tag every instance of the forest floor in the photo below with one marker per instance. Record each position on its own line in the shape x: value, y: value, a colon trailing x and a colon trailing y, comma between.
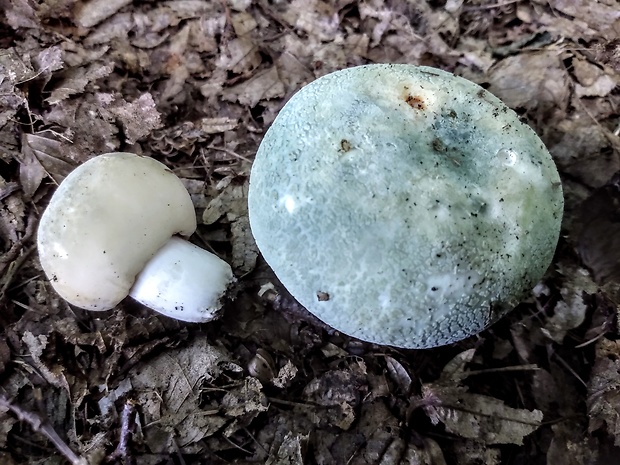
x: 195, y: 84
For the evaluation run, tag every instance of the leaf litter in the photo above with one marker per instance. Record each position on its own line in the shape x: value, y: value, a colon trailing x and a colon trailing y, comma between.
x: 196, y: 84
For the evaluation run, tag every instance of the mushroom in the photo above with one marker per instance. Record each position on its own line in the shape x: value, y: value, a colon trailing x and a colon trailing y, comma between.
x: 403, y: 205
x: 112, y: 229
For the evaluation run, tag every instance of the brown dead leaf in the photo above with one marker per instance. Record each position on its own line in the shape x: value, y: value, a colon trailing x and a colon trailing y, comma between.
x: 6, y: 425
x: 92, y: 127
x: 581, y: 18
x: 476, y: 453
x: 454, y: 371
x: 232, y: 204
x: 285, y: 375
x: 70, y: 331
x: 218, y: 125
x: 291, y: 451
x: 262, y: 86
x: 584, y: 150
x: 10, y: 102
x: 608, y: 52
x: 169, y: 390
x: 15, y: 69
x: 592, y: 80
x: 479, y: 417
x: 49, y: 60
x: 400, y: 452
x: 139, y: 118
x: 292, y: 72
x: 570, y: 447
x: 545, y: 87
x: 240, y: 55
x: 5, y: 355
x: 599, y: 241
x: 376, y: 438
x: 31, y: 171
x: 398, y: 374
x: 604, y: 390
x: 55, y: 374
x: 243, y: 403
x: 92, y: 12
x: 341, y: 392
x: 364, y: 444
x: 570, y: 312
x: 474, y: 416
x: 315, y: 17
x: 12, y: 219
x: 19, y: 13
x: 43, y: 156
x: 75, y: 81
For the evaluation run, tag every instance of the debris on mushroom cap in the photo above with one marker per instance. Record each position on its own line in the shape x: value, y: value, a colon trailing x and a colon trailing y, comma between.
x: 107, y: 219
x: 404, y: 205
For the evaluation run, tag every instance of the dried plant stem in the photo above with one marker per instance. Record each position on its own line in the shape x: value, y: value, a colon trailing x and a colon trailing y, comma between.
x: 128, y: 420
x: 43, y: 427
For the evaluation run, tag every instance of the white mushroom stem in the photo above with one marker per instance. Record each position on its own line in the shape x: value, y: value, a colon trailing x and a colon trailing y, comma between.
x: 183, y: 281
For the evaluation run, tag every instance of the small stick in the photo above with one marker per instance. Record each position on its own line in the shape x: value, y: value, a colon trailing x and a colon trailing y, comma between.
x: 42, y: 426
x: 128, y: 420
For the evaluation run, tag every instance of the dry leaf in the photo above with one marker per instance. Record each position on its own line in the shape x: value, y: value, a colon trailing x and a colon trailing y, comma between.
x: 604, y: 390
x: 169, y: 390
x: 239, y: 55
x: 76, y: 80
x: 570, y: 447
x: 341, y: 392
x: 53, y: 375
x: 139, y: 118
x: 582, y: 18
x: 285, y: 375
x: 545, y: 87
x: 399, y: 374
x: 315, y: 17
x: 12, y: 221
x: 263, y: 86
x: 42, y: 155
x: 599, y: 241
x: 291, y: 451
x: 19, y: 13
x: 14, y: 68
x: 49, y: 60
x: 232, y: 203
x: 93, y: 12
x: 245, y: 401
x: 218, y: 125
x: 476, y: 453
x: 475, y: 416
x: 584, y: 150
x: 570, y: 312
x: 593, y: 81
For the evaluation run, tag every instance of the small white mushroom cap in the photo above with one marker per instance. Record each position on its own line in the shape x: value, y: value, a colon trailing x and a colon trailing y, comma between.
x: 404, y: 205
x: 115, y: 215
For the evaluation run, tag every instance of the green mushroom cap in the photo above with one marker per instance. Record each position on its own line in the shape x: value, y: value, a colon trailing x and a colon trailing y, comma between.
x: 403, y: 205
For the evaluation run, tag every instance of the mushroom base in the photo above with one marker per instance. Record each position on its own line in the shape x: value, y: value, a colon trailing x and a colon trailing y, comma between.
x: 184, y: 282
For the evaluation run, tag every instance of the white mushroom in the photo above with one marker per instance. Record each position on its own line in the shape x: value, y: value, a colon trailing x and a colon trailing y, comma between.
x: 110, y: 230
x: 404, y: 205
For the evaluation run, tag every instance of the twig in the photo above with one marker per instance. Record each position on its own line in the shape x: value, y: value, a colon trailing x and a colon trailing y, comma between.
x: 42, y: 426
x: 229, y: 152
x: 490, y: 6
x: 128, y: 420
